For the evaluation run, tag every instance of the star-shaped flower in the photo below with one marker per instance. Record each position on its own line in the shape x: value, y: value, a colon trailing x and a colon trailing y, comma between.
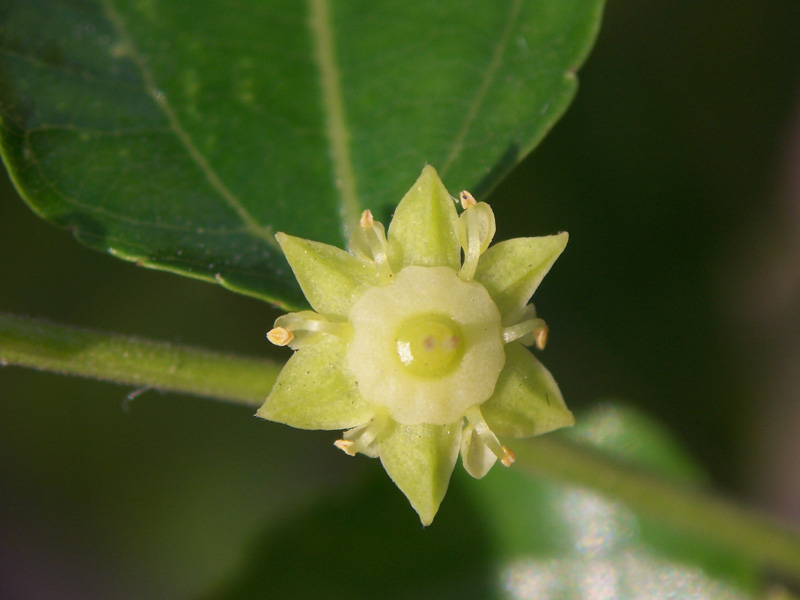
x: 415, y: 351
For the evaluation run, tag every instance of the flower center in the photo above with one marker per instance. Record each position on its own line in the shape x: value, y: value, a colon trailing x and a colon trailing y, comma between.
x: 426, y: 346
x: 429, y: 345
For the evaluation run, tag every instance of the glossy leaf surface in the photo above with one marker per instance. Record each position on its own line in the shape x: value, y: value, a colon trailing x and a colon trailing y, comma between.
x: 183, y: 135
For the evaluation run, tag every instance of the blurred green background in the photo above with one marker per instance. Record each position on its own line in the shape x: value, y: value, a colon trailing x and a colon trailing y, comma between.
x: 676, y: 172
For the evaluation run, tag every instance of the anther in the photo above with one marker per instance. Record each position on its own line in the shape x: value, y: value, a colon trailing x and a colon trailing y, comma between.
x: 367, y: 220
x: 540, y: 335
x: 280, y: 336
x: 467, y: 199
x: 509, y: 457
x: 345, y: 446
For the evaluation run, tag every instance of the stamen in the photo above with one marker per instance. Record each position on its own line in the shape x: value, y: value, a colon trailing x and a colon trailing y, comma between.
x: 527, y: 313
x: 303, y: 328
x: 488, y: 437
x: 369, y: 242
x: 476, y: 228
x: 365, y: 438
x: 537, y: 327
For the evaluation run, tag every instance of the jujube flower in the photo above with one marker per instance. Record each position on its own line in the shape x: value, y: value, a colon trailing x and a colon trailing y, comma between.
x: 416, y: 345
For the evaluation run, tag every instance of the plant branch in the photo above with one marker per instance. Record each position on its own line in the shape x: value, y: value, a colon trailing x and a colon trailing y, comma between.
x: 763, y: 540
x: 132, y: 361
x: 144, y: 363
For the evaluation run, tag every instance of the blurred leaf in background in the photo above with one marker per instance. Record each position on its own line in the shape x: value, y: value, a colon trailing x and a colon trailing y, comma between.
x: 511, y: 537
x: 675, y: 169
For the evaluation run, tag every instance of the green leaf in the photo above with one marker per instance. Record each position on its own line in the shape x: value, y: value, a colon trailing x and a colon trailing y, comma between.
x: 183, y: 135
x: 566, y: 541
x: 627, y: 433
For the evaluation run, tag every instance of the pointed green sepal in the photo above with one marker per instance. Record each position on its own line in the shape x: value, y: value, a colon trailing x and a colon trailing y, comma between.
x: 512, y: 270
x: 331, y: 279
x: 423, y: 231
x: 476, y: 456
x: 526, y: 400
x: 316, y: 391
x: 420, y: 460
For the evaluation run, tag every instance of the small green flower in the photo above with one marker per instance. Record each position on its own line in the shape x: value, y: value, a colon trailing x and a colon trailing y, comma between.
x: 417, y: 353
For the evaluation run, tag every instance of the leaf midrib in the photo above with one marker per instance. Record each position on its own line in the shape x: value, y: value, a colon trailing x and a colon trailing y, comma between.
x: 319, y: 23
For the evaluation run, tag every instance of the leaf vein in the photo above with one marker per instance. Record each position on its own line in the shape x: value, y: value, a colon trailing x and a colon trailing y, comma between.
x: 483, y: 89
x: 333, y: 106
x: 125, y: 218
x: 194, y: 153
x: 65, y: 70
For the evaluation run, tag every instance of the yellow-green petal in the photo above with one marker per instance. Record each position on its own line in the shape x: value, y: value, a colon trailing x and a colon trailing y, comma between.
x: 423, y: 231
x: 476, y: 456
x: 512, y: 270
x: 420, y: 460
x: 315, y: 390
x: 330, y: 278
x: 526, y: 400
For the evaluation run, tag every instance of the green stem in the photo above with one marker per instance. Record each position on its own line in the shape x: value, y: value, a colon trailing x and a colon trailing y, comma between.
x: 147, y: 364
x: 761, y: 539
x: 131, y: 361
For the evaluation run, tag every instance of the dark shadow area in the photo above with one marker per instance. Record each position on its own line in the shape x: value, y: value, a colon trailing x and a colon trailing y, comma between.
x: 365, y: 544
